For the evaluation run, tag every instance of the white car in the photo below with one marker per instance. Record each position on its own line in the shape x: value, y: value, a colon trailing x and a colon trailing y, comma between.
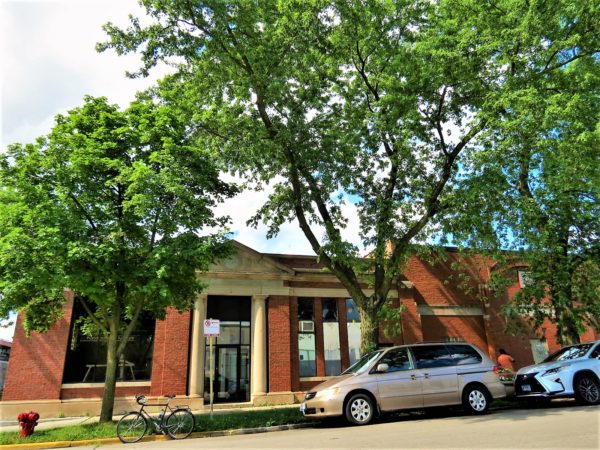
x: 573, y: 371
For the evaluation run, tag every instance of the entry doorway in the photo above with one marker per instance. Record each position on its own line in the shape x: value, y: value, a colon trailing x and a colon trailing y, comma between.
x: 231, y: 350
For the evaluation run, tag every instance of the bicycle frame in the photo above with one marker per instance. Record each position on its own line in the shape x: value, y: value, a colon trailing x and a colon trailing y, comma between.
x: 158, y: 422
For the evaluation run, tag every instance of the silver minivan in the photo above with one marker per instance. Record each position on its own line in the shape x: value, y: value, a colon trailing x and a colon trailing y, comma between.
x: 408, y: 377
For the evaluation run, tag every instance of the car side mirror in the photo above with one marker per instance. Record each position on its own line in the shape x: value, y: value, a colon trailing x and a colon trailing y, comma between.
x: 382, y: 368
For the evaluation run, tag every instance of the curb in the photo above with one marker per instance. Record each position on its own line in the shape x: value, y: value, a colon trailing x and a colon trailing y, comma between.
x: 151, y: 438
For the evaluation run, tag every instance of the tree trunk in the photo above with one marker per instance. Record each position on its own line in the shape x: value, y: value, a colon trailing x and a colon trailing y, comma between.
x: 110, y: 382
x: 369, y: 329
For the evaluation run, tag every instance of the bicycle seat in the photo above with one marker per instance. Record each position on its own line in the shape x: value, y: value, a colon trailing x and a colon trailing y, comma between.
x: 169, y: 395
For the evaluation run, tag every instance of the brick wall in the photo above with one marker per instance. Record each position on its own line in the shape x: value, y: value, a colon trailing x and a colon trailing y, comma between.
x: 283, y: 352
x: 469, y: 328
x: 35, y: 368
x: 438, y: 284
x: 171, y: 354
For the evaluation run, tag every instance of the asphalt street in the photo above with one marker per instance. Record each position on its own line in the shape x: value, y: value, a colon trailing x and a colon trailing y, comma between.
x: 559, y: 426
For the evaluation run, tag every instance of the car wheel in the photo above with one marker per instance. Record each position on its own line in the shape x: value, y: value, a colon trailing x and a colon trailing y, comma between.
x: 587, y: 389
x: 359, y: 409
x: 475, y: 400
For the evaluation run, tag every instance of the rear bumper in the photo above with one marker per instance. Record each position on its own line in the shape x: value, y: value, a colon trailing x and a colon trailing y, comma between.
x: 497, y: 390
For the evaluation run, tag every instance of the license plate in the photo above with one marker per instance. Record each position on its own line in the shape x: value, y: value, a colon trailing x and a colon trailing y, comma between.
x: 526, y: 388
x: 303, y: 407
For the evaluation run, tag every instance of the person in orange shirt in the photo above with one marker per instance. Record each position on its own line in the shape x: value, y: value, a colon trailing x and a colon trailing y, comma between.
x: 505, y: 360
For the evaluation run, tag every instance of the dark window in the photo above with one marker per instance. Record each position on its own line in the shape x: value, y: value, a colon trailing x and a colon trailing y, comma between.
x: 330, y: 311
x: 228, y: 308
x: 307, y: 342
x: 596, y: 352
x: 352, y: 314
x: 430, y: 356
x: 306, y: 309
x: 464, y: 354
x: 86, y: 354
x: 331, y: 337
x: 397, y: 359
x: 4, y: 352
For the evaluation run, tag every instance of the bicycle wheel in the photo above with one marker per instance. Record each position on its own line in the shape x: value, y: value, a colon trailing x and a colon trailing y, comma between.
x: 180, y: 424
x: 132, y: 427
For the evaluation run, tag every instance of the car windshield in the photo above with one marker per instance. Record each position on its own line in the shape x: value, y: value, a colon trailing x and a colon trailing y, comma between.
x: 363, y: 363
x: 564, y: 354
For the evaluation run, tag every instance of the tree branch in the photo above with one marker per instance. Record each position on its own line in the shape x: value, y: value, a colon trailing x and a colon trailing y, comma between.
x: 83, y: 210
x: 92, y: 316
x: 568, y: 61
x: 432, y: 202
x: 130, y: 327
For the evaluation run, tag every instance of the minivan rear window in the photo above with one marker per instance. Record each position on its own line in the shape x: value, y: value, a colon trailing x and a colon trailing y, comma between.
x: 464, y: 354
x: 430, y: 356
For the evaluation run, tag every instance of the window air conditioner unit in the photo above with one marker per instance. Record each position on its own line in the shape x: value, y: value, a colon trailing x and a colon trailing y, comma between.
x: 306, y: 326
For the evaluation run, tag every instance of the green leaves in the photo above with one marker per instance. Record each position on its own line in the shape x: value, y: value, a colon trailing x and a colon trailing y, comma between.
x: 391, y: 106
x: 108, y: 197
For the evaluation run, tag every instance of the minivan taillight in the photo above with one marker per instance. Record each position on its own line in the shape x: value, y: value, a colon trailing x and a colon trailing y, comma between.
x: 496, y: 369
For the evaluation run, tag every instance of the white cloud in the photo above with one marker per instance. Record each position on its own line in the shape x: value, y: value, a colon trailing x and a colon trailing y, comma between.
x: 7, y: 328
x: 49, y: 62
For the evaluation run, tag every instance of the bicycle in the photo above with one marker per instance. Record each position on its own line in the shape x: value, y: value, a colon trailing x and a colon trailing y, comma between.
x: 179, y: 424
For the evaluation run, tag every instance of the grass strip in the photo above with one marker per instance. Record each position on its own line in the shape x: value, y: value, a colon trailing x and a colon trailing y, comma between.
x: 218, y: 422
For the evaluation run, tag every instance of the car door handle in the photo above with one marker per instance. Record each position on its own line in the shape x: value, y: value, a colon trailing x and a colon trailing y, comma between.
x: 413, y: 377
x: 426, y: 375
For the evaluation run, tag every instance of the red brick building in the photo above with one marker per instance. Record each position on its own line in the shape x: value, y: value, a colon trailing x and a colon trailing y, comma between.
x: 286, y: 325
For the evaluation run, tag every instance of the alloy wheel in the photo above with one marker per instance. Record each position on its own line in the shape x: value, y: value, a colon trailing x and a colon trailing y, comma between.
x: 477, y: 400
x: 588, y: 390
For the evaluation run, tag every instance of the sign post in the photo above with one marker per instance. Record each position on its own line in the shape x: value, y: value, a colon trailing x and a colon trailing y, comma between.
x: 211, y: 330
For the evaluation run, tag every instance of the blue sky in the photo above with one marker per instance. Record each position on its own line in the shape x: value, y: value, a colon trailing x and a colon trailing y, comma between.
x: 49, y: 63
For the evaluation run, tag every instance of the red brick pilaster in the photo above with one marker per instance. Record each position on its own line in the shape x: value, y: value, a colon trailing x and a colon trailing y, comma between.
x: 412, y: 329
x: 342, y: 317
x: 35, y: 369
x: 171, y: 354
x: 283, y: 350
x: 319, y: 342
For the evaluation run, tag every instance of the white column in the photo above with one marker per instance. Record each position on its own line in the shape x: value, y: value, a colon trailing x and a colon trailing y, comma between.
x: 196, y: 369
x: 258, y: 360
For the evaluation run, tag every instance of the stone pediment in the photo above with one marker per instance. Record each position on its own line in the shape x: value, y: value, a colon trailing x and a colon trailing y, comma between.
x: 245, y: 260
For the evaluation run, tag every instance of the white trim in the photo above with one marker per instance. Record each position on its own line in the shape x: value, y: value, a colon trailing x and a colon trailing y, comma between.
x: 99, y: 385
x: 442, y: 310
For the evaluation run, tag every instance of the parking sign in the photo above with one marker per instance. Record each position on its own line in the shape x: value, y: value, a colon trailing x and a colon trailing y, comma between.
x: 211, y: 328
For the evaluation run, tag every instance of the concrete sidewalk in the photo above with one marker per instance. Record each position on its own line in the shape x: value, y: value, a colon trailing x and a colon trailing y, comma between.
x: 54, y: 422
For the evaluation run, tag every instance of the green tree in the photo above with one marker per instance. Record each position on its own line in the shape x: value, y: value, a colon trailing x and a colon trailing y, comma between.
x: 367, y: 103
x: 537, y: 190
x: 109, y: 205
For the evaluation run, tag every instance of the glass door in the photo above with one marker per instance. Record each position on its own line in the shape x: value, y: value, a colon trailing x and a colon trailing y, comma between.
x: 232, y: 367
x: 231, y: 349
x: 226, y: 373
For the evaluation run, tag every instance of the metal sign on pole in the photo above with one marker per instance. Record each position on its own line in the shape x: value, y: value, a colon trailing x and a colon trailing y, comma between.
x: 211, y: 330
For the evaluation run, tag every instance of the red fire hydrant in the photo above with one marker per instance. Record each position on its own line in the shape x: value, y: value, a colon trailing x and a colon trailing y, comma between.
x: 28, y: 421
